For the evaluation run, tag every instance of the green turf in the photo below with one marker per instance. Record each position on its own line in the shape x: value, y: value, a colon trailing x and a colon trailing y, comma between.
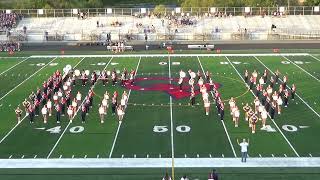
x: 147, y: 109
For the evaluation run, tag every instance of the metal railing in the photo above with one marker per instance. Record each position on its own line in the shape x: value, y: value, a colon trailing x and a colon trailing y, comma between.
x: 235, y: 11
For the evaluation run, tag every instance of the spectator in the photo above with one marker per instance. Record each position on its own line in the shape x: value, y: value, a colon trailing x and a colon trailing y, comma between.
x: 8, y: 21
x: 244, y: 149
x: 166, y: 177
x: 9, y: 46
x: 213, y: 175
x: 184, y: 177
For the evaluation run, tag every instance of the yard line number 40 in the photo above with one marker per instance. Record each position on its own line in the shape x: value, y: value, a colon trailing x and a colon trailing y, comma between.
x: 57, y: 129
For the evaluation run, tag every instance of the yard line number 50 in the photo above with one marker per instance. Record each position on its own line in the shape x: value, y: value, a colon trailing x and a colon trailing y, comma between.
x: 163, y: 129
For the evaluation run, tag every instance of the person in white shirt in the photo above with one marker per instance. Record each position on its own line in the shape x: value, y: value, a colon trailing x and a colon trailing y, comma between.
x: 78, y: 97
x: 244, y: 149
x: 120, y: 112
x: 184, y: 178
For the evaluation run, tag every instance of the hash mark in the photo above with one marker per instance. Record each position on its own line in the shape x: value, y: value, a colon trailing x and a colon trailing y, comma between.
x: 285, y: 155
x: 185, y: 156
x: 35, y: 156
x: 310, y: 155
x: 159, y: 155
x: 272, y: 155
x: 147, y: 155
x: 10, y: 156
x: 197, y: 155
x: 98, y: 156
x: 60, y: 156
x: 72, y: 156
x: 223, y: 155
x: 122, y: 156
x: 210, y: 156
x: 135, y: 156
x: 260, y: 155
x: 22, y: 156
x: 85, y: 156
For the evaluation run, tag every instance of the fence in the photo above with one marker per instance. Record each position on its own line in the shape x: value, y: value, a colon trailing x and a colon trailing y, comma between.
x: 237, y: 11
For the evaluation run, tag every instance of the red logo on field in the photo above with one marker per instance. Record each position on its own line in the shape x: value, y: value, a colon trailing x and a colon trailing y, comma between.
x: 172, y: 89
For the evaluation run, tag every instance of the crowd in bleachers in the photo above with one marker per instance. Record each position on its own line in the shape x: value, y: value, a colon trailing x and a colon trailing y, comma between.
x: 8, y: 21
x: 9, y: 46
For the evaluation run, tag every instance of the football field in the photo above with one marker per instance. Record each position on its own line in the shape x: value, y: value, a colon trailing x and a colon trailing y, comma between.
x: 158, y: 121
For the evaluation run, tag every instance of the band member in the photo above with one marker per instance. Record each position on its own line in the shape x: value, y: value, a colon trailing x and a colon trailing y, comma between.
x: 254, y: 75
x: 246, y: 109
x: 264, y: 116
x: 211, y: 84
x: 83, y: 113
x: 221, y: 110
x: 207, y: 106
x: 55, y: 98
x: 261, y: 81
x: 26, y: 105
x: 192, y: 98
x: 104, y: 78
x: 123, y: 79
x: 114, y: 77
x: 236, y: 115
x: 68, y: 99
x: 18, y: 112
x: 132, y: 76
x: 105, y: 105
x: 70, y: 113
x: 58, y: 112
x: 232, y: 104
x: 78, y: 98
x: 200, y: 81
x: 74, y: 105
x: 180, y: 84
x: 267, y: 105
x: 254, y: 120
x: 286, y: 98
x: 256, y: 105
x: 246, y: 76
x: 277, y: 74
x: 90, y: 95
x: 191, y: 82
x: 250, y: 114
x: 264, y: 97
x: 285, y: 80
x: 93, y: 78
x: 63, y: 106
x: 73, y: 79
x: 120, y: 113
x: 273, y: 110
x: 84, y: 78
x: 265, y: 76
x: 32, y: 97
x: 198, y: 75
x: 269, y: 90
x: 259, y: 89
x: 272, y: 81
x: 207, y: 77
x: 36, y: 106
x: 49, y: 106
x: 251, y: 83
x: 44, y: 112
x: 293, y: 91
x: 279, y: 104
x: 102, y: 112
x: 114, y: 105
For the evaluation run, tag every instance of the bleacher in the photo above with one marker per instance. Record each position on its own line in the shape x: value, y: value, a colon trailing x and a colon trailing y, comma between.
x: 204, y: 27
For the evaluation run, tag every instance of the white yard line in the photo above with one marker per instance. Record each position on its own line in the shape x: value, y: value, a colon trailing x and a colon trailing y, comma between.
x: 171, y: 114
x: 23, y: 118
x: 289, y: 87
x: 314, y: 57
x: 224, y: 126
x: 27, y: 79
x: 14, y: 66
x: 301, y: 69
x: 64, y: 131
x: 293, y: 149
x: 119, y: 125
x: 160, y: 162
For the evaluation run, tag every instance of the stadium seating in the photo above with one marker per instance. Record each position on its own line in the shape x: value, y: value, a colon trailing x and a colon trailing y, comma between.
x: 225, y: 28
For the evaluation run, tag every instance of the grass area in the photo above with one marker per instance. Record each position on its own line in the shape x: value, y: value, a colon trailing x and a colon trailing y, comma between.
x: 157, y: 124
